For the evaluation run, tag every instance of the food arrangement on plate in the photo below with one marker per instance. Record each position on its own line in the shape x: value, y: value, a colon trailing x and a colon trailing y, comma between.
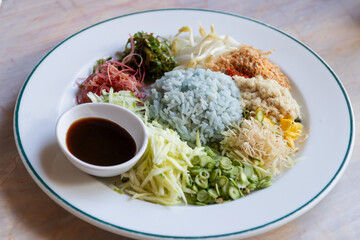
x: 220, y: 117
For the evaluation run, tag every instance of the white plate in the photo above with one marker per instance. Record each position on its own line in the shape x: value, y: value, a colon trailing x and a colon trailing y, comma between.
x: 50, y: 90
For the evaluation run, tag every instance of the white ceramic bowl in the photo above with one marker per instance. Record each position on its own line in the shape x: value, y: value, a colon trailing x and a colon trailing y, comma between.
x: 121, y: 116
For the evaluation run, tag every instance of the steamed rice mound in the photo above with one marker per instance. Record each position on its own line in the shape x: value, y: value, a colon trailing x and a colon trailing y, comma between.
x: 196, y: 100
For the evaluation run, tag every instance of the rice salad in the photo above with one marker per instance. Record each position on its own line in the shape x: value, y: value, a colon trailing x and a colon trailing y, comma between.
x: 220, y: 116
x: 196, y: 100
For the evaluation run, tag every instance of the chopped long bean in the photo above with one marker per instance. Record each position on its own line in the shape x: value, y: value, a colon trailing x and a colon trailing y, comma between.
x: 218, y: 179
x: 204, y: 174
x: 234, y: 192
x: 202, y: 196
x: 222, y: 181
x: 201, y: 182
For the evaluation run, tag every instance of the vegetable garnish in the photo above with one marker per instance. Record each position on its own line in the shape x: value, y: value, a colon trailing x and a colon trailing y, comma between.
x: 125, y: 99
x: 216, y: 179
x: 160, y: 175
x: 193, y: 52
x: 152, y: 53
x: 111, y: 74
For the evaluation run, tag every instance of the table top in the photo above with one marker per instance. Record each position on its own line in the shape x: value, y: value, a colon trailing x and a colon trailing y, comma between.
x: 29, y: 29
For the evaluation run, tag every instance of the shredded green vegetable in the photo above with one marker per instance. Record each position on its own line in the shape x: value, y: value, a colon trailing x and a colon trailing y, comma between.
x: 161, y: 175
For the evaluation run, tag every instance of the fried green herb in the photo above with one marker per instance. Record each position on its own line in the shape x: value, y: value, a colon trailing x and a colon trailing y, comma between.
x: 151, y: 53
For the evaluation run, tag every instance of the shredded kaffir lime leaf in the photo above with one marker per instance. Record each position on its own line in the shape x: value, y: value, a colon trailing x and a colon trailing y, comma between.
x: 149, y: 52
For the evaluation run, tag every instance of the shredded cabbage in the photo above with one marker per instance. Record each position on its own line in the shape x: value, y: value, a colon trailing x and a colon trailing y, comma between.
x: 193, y: 52
x: 125, y: 99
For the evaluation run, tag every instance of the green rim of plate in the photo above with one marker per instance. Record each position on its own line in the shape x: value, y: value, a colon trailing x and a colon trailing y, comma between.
x: 24, y: 157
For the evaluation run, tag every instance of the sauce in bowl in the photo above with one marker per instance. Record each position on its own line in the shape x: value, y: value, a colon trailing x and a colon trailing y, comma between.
x: 100, y: 142
x: 101, y: 139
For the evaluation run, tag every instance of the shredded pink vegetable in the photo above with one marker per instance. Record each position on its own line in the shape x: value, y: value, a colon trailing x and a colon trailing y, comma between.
x: 113, y: 74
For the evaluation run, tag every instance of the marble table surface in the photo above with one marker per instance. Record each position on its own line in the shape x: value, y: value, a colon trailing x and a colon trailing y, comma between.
x: 29, y: 29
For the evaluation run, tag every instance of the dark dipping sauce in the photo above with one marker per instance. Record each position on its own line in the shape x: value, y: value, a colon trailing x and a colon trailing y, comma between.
x: 100, y: 142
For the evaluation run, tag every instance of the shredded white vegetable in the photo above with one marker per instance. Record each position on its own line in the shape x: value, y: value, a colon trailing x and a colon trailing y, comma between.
x: 193, y: 52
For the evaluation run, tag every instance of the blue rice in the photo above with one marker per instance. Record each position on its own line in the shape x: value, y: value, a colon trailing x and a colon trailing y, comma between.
x: 196, y: 100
